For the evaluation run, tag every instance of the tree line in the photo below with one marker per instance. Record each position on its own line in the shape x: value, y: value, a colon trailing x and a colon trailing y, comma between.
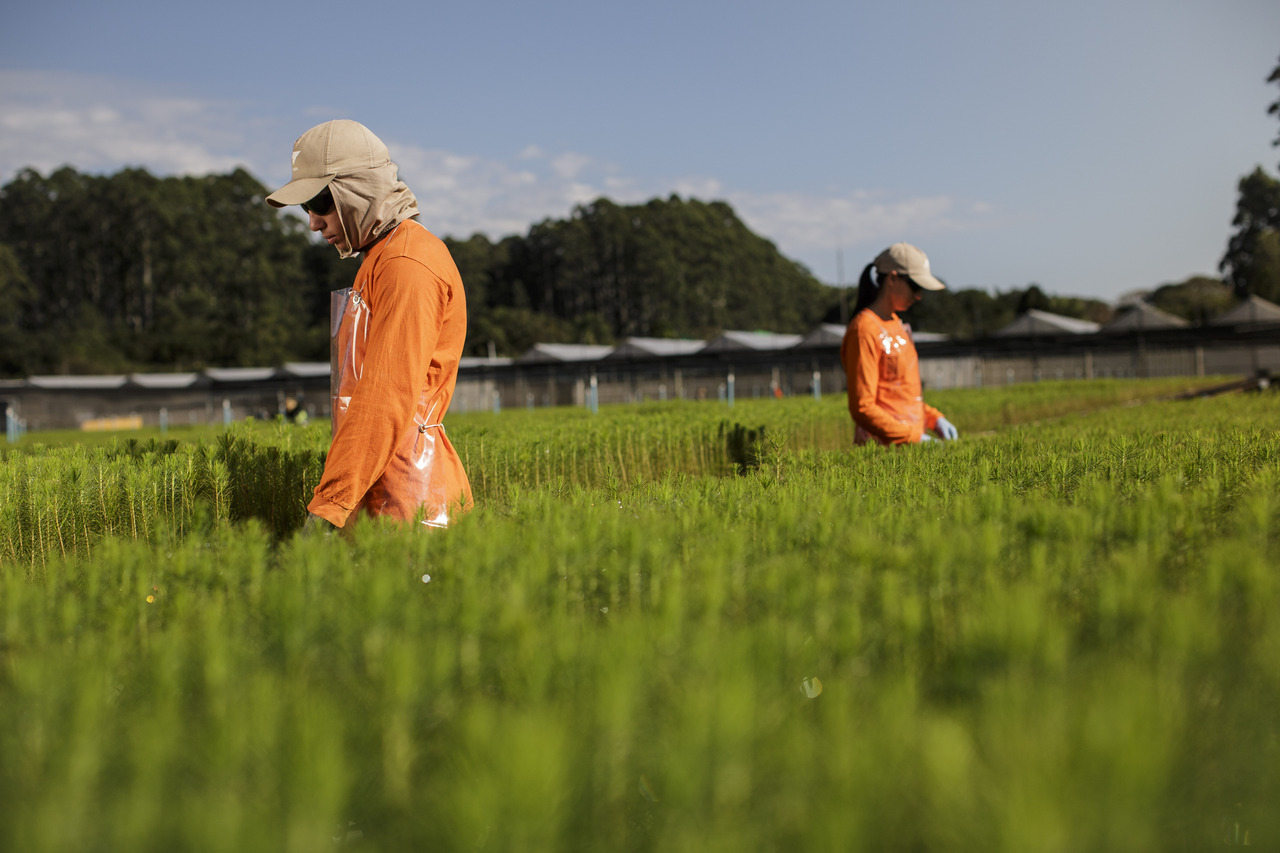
x: 129, y: 271
x: 1251, y: 264
x: 133, y: 272
x: 105, y: 274
x: 668, y: 268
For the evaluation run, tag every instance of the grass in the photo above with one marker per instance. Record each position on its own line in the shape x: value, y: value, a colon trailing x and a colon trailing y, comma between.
x: 1060, y: 635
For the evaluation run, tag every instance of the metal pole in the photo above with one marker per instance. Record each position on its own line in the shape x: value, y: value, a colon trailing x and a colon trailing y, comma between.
x: 844, y: 291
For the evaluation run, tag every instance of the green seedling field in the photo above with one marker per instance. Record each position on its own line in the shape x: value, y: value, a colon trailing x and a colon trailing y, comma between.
x: 676, y: 627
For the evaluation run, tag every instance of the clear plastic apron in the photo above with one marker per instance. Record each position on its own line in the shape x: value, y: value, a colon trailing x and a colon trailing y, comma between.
x: 407, y: 487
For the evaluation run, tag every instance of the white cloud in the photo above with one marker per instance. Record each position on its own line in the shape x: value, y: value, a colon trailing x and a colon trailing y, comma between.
x: 569, y: 166
x: 100, y: 125
x: 48, y: 120
x: 805, y: 222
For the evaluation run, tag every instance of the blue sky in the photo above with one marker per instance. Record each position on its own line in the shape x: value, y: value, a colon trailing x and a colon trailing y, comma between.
x: 1090, y: 147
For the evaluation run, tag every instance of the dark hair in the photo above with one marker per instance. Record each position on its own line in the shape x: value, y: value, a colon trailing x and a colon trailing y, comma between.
x: 867, y: 289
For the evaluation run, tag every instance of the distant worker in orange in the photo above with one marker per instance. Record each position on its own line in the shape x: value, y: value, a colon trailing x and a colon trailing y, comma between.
x: 396, y: 335
x: 879, y: 358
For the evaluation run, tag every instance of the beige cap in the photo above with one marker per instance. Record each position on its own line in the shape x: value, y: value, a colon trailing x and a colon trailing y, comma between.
x: 326, y: 151
x: 911, y: 262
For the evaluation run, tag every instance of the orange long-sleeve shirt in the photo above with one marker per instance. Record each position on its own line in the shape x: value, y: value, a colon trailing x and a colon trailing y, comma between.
x: 416, y: 332
x: 883, y: 374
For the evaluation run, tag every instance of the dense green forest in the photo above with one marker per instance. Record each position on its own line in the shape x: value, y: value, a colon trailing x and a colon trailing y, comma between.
x: 668, y: 268
x: 109, y: 273
x: 103, y: 274
x: 113, y: 273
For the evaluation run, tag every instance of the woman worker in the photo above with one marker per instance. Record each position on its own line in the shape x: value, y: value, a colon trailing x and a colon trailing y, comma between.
x: 879, y: 359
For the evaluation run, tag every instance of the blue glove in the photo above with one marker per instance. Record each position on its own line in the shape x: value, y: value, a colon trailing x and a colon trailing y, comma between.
x: 316, y: 525
x: 924, y: 436
x: 946, y: 430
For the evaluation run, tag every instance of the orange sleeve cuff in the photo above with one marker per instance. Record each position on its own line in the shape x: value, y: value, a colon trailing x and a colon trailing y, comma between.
x: 329, y: 511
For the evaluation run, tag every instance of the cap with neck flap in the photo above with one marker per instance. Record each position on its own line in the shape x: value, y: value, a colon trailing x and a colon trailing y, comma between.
x: 326, y: 151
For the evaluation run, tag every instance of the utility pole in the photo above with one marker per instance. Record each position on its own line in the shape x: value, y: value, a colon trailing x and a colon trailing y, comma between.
x: 844, y: 293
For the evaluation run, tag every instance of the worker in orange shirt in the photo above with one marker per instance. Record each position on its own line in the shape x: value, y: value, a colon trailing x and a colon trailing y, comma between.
x: 396, y: 335
x: 879, y: 358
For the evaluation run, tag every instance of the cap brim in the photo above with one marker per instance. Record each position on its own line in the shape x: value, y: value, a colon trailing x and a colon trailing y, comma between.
x: 296, y: 192
x: 927, y: 281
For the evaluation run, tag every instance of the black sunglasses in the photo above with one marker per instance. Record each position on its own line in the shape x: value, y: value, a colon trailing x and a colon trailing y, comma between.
x: 320, y: 204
